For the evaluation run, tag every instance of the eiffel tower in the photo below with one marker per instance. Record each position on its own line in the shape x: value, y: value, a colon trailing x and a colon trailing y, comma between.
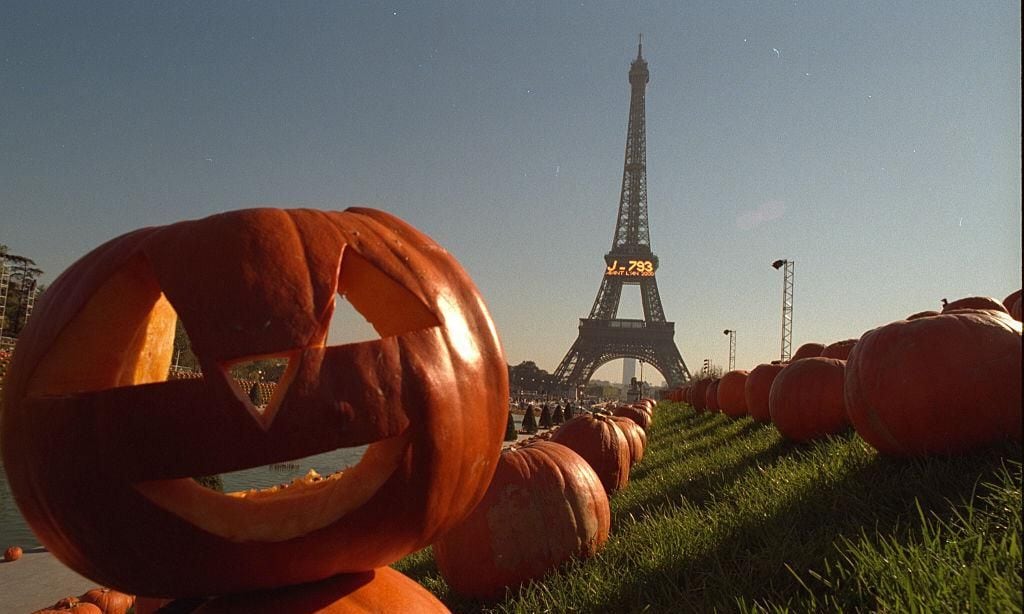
x: 602, y: 336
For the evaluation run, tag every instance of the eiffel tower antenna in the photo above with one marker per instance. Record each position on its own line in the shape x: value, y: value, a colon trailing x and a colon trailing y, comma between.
x: 640, y: 48
x: 603, y: 336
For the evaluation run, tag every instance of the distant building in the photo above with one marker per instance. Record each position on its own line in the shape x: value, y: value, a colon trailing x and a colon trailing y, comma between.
x: 628, y: 370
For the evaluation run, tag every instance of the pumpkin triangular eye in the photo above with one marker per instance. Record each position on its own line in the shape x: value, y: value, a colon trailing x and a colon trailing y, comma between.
x: 260, y: 383
x: 348, y: 325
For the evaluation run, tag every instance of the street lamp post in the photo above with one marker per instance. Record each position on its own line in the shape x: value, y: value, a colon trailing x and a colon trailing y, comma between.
x: 732, y: 347
x: 787, y: 306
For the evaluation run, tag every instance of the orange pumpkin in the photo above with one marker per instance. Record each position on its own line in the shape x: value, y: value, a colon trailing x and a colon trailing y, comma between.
x: 12, y: 554
x: 757, y: 389
x: 638, y: 415
x: 699, y: 394
x: 808, y: 350
x: 429, y: 398
x: 731, y: 393
x: 108, y: 600
x: 938, y: 385
x: 806, y: 401
x: 974, y: 302
x: 601, y: 443
x: 922, y: 314
x: 369, y: 592
x: 544, y: 506
x: 70, y: 605
x: 840, y: 350
x: 1012, y: 305
x: 711, y: 395
x: 636, y: 438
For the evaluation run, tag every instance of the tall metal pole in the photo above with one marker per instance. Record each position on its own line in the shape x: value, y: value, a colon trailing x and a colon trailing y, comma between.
x: 732, y: 347
x: 787, y: 306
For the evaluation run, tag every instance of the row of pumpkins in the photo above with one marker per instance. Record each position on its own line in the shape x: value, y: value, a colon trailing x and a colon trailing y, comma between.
x: 548, y: 502
x: 936, y: 382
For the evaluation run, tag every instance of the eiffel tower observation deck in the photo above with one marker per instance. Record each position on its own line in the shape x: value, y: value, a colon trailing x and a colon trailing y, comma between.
x: 603, y: 336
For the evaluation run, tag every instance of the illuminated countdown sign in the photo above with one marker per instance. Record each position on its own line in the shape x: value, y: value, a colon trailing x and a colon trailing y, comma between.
x: 630, y: 268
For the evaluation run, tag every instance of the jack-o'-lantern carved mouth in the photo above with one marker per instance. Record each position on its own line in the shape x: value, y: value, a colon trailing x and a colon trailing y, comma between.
x: 281, y: 512
x: 329, y: 397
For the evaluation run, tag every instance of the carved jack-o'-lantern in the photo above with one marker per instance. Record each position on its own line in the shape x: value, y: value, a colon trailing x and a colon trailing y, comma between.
x: 99, y: 448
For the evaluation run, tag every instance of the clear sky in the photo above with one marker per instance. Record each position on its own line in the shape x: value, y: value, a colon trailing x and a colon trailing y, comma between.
x: 876, y: 144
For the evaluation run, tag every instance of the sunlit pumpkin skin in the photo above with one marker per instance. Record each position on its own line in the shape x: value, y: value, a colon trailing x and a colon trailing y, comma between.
x: 806, y: 400
x: 544, y: 506
x: 922, y: 314
x: 649, y: 403
x: 938, y: 385
x: 757, y: 389
x: 601, y: 443
x: 808, y: 350
x: 430, y: 397
x: 698, y: 395
x: 974, y: 302
x: 840, y: 350
x: 711, y: 396
x: 1012, y: 305
x: 636, y: 437
x: 732, y: 399
x: 108, y: 600
x: 640, y: 416
x: 12, y: 554
x: 370, y: 592
x: 70, y: 605
x: 150, y: 605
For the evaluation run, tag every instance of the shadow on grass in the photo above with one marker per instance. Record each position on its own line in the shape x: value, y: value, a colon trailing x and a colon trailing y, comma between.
x: 704, y: 485
x: 715, y: 435
x: 750, y: 562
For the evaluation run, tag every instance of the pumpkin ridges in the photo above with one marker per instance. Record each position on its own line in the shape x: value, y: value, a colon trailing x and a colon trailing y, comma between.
x: 912, y: 383
x: 974, y: 302
x: 839, y: 350
x: 757, y: 388
x: 636, y: 437
x: 698, y: 395
x: 806, y: 399
x: 807, y: 350
x: 544, y: 505
x: 639, y: 416
x: 108, y: 600
x: 601, y: 443
x: 731, y: 393
x: 711, y: 396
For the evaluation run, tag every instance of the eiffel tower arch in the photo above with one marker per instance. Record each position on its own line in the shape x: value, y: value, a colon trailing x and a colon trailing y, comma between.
x: 603, y: 336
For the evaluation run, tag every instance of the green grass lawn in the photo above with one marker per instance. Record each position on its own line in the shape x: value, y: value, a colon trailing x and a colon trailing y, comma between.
x: 723, y: 515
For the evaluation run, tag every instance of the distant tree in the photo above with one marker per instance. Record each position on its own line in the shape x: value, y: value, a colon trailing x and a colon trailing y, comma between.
x: 510, y: 429
x: 183, y: 356
x: 528, y: 377
x: 545, y: 417
x: 529, y: 421
x: 22, y: 288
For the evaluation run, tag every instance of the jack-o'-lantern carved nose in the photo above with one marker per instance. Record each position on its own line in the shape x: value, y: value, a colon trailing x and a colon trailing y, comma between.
x: 261, y: 384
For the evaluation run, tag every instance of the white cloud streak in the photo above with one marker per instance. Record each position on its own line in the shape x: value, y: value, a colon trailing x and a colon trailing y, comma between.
x: 766, y: 212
